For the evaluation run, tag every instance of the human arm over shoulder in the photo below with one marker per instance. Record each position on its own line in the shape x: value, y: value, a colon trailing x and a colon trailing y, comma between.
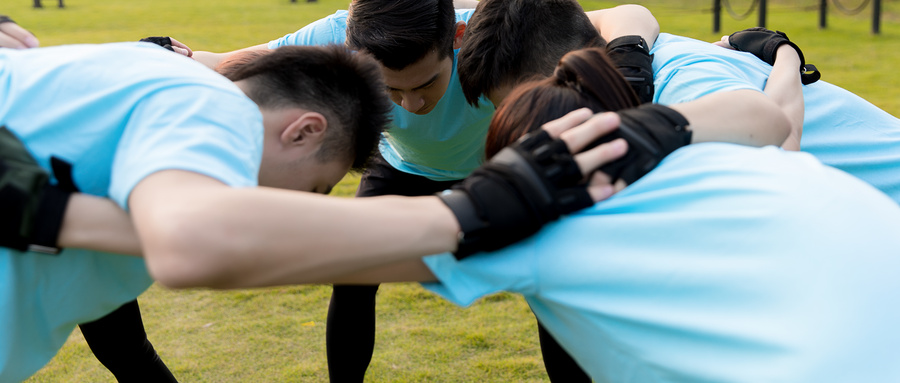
x: 196, y: 231
x: 625, y: 20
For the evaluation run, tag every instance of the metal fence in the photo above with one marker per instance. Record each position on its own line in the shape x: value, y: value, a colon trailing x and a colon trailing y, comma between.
x: 761, y: 7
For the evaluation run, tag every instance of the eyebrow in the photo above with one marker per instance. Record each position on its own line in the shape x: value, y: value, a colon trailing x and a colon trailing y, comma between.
x: 427, y: 83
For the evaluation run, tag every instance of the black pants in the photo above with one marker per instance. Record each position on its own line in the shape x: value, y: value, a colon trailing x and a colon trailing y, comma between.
x: 350, y: 329
x: 120, y: 343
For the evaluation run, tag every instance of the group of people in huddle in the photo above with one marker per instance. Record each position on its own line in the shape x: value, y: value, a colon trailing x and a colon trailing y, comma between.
x: 672, y: 210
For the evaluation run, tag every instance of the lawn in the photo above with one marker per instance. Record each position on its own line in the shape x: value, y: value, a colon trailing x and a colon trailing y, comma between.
x: 278, y: 334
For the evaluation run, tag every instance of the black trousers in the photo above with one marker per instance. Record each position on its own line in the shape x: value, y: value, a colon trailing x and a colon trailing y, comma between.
x: 350, y: 328
x: 119, y: 342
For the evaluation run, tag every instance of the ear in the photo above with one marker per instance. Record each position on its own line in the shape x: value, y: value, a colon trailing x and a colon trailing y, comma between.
x: 308, y: 127
x: 460, y: 31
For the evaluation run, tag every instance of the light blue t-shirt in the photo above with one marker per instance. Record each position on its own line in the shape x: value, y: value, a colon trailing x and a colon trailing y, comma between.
x: 724, y: 264
x: 841, y: 129
x: 117, y: 113
x: 445, y: 144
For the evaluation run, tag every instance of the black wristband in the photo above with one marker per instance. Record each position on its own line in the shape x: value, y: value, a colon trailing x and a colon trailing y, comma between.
x: 510, y: 197
x: 163, y: 41
x: 652, y: 131
x: 50, y: 213
x: 763, y: 43
x: 631, y: 56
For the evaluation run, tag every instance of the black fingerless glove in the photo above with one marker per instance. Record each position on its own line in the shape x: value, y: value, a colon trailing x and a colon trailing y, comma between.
x: 163, y: 41
x: 510, y: 197
x: 631, y: 56
x: 764, y: 43
x: 652, y: 131
x: 31, y: 210
x: 6, y: 19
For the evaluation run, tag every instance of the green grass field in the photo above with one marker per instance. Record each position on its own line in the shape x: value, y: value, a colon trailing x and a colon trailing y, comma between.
x: 278, y: 334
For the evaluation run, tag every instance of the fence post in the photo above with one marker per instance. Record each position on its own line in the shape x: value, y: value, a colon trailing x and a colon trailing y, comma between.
x: 762, y: 13
x: 717, y: 16
x: 876, y: 17
x: 823, y: 13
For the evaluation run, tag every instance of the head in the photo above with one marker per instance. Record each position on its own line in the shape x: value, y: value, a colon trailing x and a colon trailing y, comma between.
x: 508, y: 42
x: 414, y: 42
x: 583, y: 78
x: 323, y: 111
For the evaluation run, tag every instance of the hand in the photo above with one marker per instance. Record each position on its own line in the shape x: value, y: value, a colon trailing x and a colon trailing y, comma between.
x: 533, y: 182
x: 31, y: 210
x: 652, y: 131
x: 170, y: 44
x: 14, y: 36
x: 764, y: 43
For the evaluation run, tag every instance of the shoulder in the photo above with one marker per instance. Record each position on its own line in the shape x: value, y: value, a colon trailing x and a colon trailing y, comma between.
x: 327, y: 30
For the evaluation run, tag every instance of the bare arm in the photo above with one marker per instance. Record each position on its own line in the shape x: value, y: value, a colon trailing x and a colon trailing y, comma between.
x: 195, y: 231
x: 625, y: 20
x: 212, y: 60
x: 785, y: 89
x: 98, y: 224
x: 272, y: 237
x: 744, y: 117
x: 465, y: 4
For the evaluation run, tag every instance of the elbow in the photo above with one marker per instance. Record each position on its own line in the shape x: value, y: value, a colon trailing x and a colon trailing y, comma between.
x: 178, y: 256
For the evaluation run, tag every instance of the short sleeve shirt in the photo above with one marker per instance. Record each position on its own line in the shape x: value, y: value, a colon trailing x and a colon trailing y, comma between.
x: 117, y: 113
x: 724, y: 264
x: 445, y: 144
x: 841, y: 129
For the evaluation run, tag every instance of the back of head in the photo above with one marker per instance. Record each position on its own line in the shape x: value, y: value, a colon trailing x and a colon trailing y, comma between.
x: 401, y: 32
x: 345, y: 87
x: 511, y: 41
x: 584, y: 79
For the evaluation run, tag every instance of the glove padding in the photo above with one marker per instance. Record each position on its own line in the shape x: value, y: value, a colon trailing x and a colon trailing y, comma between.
x: 763, y: 43
x: 652, y: 131
x: 631, y: 56
x: 31, y: 210
x: 163, y: 41
x: 510, y: 197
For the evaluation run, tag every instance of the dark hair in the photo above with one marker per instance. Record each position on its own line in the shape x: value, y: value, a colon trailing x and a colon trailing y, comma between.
x: 345, y: 87
x: 511, y: 41
x: 399, y: 33
x: 584, y: 78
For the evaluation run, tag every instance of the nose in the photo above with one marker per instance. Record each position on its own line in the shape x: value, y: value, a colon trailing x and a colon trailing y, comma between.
x: 412, y: 102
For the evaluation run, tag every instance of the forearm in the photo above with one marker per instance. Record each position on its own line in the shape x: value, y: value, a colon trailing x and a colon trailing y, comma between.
x: 212, y: 60
x: 295, y: 237
x: 98, y: 224
x: 465, y: 4
x: 785, y: 90
x: 744, y: 117
x: 625, y: 20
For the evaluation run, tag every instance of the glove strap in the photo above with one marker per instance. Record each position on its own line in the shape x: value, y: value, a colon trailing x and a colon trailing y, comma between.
x: 50, y: 215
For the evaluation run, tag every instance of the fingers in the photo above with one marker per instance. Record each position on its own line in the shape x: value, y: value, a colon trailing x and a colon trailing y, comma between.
x: 724, y: 43
x: 600, y: 188
x: 14, y: 36
x: 601, y: 155
x: 181, y: 48
x: 570, y: 120
x: 597, y: 126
